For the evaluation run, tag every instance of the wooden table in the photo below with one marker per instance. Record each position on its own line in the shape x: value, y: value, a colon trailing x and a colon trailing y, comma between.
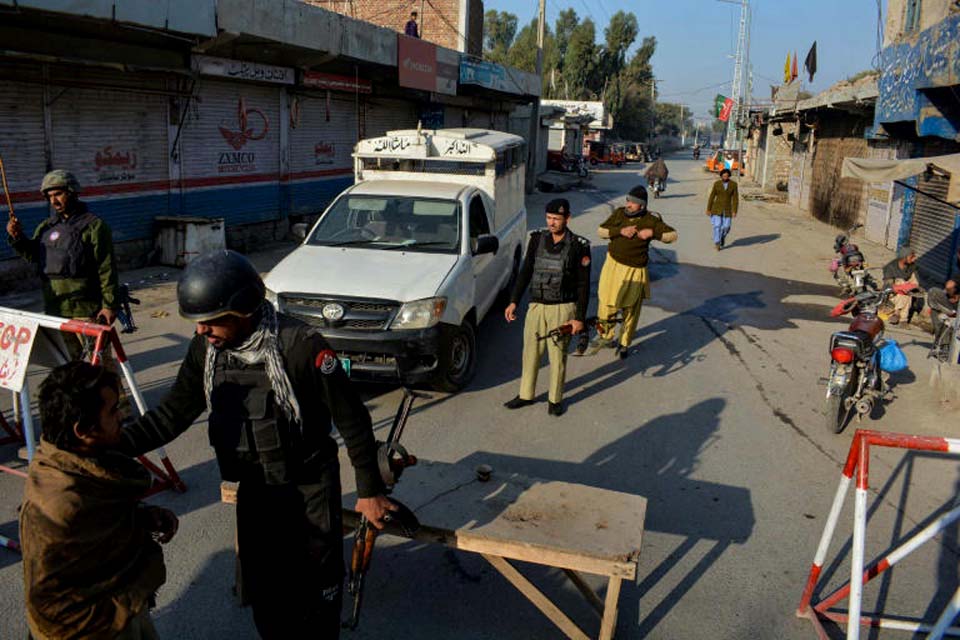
x: 572, y: 527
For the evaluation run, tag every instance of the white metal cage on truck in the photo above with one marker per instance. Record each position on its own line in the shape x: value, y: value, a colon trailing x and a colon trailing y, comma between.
x: 401, y: 268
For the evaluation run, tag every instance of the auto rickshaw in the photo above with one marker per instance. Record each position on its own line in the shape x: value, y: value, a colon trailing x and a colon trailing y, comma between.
x: 602, y: 152
x: 723, y: 159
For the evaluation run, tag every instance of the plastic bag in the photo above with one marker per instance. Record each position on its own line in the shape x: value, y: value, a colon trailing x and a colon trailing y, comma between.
x: 892, y: 357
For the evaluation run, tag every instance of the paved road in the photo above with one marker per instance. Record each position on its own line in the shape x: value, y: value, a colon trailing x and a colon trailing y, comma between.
x: 715, y: 418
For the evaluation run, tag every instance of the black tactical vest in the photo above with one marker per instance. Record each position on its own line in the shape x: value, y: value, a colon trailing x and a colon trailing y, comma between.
x: 64, y: 255
x: 248, y: 431
x: 546, y: 284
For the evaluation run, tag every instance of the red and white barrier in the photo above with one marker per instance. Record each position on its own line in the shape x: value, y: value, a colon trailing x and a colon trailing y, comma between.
x: 858, y: 461
x: 165, y: 477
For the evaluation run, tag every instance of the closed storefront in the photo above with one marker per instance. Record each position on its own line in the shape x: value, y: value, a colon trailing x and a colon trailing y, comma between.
x: 230, y: 145
x: 22, y: 146
x: 933, y: 229
x: 385, y: 114
x: 323, y: 132
x: 110, y: 130
x: 454, y: 117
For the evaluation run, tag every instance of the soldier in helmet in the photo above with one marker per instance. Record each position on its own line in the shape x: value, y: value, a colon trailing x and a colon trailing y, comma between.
x: 73, y: 251
x: 273, y: 386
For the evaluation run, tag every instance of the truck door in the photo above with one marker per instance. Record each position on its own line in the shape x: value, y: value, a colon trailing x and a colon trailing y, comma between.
x: 484, y: 266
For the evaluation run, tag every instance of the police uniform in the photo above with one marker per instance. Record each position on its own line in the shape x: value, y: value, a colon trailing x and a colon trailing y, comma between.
x: 558, y: 275
x: 289, y: 527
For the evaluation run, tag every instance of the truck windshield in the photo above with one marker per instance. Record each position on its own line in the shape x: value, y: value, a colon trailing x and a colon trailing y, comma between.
x: 390, y: 222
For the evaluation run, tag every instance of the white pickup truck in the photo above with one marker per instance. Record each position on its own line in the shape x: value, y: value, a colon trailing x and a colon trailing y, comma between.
x: 401, y: 268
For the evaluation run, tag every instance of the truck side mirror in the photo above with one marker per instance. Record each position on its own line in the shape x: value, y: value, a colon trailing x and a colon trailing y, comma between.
x: 486, y: 244
x: 299, y: 231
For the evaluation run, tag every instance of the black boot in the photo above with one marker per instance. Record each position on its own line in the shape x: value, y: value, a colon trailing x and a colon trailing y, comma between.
x: 556, y: 408
x: 517, y: 402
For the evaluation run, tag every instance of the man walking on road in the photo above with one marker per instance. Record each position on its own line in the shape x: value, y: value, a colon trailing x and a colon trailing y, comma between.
x: 623, y: 281
x: 722, y: 205
x: 73, y: 252
x: 273, y: 386
x: 557, y: 269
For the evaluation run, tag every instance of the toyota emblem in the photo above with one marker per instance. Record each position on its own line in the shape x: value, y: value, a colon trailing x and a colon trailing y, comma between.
x: 332, y: 311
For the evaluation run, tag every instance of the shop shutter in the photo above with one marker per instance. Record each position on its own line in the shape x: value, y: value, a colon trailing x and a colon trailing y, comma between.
x: 932, y: 232
x: 454, y: 118
x: 110, y: 130
x: 322, y: 137
x: 384, y: 115
x: 21, y: 121
x: 230, y: 152
x: 555, y: 141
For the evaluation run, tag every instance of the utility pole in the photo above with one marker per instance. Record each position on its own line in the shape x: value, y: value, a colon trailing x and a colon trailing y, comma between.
x: 653, y: 108
x: 683, y: 135
x: 532, y: 141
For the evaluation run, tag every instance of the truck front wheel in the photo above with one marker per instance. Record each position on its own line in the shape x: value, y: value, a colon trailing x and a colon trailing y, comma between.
x: 457, y: 359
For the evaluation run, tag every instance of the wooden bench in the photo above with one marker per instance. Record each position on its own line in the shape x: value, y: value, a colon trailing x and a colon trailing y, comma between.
x: 572, y: 527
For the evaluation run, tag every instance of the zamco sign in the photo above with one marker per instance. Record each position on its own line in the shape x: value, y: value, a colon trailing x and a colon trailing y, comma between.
x: 417, y: 63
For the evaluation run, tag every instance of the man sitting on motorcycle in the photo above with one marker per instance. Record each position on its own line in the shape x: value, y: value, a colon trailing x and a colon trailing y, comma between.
x: 943, y: 307
x: 657, y: 171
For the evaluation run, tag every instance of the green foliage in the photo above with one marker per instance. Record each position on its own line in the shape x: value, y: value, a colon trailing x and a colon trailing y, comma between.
x: 499, y: 29
x: 668, y: 118
x: 575, y: 67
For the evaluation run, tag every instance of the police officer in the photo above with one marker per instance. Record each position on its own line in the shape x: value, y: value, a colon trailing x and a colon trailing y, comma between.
x: 557, y: 269
x: 624, y: 283
x: 73, y: 251
x: 273, y: 385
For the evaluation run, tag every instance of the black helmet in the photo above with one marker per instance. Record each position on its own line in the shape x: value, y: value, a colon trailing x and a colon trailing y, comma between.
x: 217, y: 284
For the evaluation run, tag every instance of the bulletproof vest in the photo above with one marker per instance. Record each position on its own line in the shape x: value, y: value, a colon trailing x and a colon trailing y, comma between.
x: 248, y: 431
x: 546, y: 285
x: 64, y: 255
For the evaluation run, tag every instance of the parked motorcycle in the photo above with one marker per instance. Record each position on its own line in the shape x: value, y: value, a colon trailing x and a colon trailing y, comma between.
x: 849, y: 265
x: 856, y: 382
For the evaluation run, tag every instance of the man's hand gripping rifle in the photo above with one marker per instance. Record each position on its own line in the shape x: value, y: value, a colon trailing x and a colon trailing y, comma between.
x: 393, y: 459
x: 564, y: 331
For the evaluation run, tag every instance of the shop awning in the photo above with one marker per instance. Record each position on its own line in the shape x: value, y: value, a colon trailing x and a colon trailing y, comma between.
x: 872, y: 170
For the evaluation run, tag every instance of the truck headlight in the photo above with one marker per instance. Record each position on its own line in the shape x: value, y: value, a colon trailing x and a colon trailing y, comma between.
x: 271, y: 297
x: 419, y: 314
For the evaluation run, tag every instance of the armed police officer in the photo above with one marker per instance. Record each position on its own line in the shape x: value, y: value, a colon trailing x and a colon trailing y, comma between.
x: 624, y: 283
x: 73, y: 252
x: 272, y: 384
x: 557, y: 270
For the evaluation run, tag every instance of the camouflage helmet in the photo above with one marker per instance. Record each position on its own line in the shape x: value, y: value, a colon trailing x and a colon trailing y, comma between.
x: 60, y: 179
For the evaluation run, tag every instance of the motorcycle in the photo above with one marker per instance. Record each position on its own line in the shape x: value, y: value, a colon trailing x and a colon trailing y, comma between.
x: 657, y: 187
x: 849, y: 265
x: 856, y: 382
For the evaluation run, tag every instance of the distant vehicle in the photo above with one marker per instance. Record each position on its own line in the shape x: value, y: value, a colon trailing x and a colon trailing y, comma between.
x: 723, y: 159
x: 402, y: 267
x: 634, y: 152
x: 602, y: 152
x: 562, y: 161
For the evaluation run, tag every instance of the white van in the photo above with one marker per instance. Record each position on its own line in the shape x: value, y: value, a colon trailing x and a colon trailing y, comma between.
x: 401, y: 268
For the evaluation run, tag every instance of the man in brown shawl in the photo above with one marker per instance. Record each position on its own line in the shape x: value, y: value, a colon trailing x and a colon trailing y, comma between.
x: 91, y: 561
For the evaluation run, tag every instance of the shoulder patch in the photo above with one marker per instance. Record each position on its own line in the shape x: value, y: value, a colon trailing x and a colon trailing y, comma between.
x: 585, y: 261
x: 326, y: 361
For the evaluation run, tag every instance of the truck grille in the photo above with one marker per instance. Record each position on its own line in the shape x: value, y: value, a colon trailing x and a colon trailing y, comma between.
x: 358, y: 314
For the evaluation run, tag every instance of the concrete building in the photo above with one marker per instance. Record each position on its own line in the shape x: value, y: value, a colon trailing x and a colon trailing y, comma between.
x: 454, y: 24
x: 918, y: 113
x: 225, y: 108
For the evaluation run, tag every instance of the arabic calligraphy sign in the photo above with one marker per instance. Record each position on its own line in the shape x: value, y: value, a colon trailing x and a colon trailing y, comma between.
x: 16, y: 340
x: 334, y: 82
x: 240, y: 70
x: 114, y: 166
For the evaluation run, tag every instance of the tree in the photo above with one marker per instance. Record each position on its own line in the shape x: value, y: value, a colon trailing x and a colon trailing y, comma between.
x: 633, y: 114
x: 580, y: 61
x: 523, y: 53
x: 499, y: 29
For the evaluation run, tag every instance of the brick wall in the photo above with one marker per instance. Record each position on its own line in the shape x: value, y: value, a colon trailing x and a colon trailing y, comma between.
x: 439, y: 19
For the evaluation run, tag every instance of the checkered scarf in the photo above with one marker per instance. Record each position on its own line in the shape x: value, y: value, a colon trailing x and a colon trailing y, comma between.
x: 263, y: 346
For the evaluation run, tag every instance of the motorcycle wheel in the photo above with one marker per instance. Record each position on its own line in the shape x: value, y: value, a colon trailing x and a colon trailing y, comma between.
x: 836, y: 414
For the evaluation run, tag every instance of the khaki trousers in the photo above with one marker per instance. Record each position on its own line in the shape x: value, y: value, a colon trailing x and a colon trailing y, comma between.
x: 901, y: 303
x: 541, y: 318
x: 622, y: 289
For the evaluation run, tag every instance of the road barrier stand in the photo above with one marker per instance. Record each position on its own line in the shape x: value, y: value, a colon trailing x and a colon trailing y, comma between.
x: 165, y: 475
x: 858, y: 461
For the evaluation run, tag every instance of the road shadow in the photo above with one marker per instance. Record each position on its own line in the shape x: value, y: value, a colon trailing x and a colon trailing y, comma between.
x: 658, y: 459
x: 752, y: 240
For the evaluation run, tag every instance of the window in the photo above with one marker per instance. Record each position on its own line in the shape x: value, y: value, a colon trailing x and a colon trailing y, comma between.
x: 911, y: 21
x: 479, y: 226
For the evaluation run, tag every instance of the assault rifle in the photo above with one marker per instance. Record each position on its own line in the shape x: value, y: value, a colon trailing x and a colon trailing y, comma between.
x: 393, y: 459
x: 565, y: 330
